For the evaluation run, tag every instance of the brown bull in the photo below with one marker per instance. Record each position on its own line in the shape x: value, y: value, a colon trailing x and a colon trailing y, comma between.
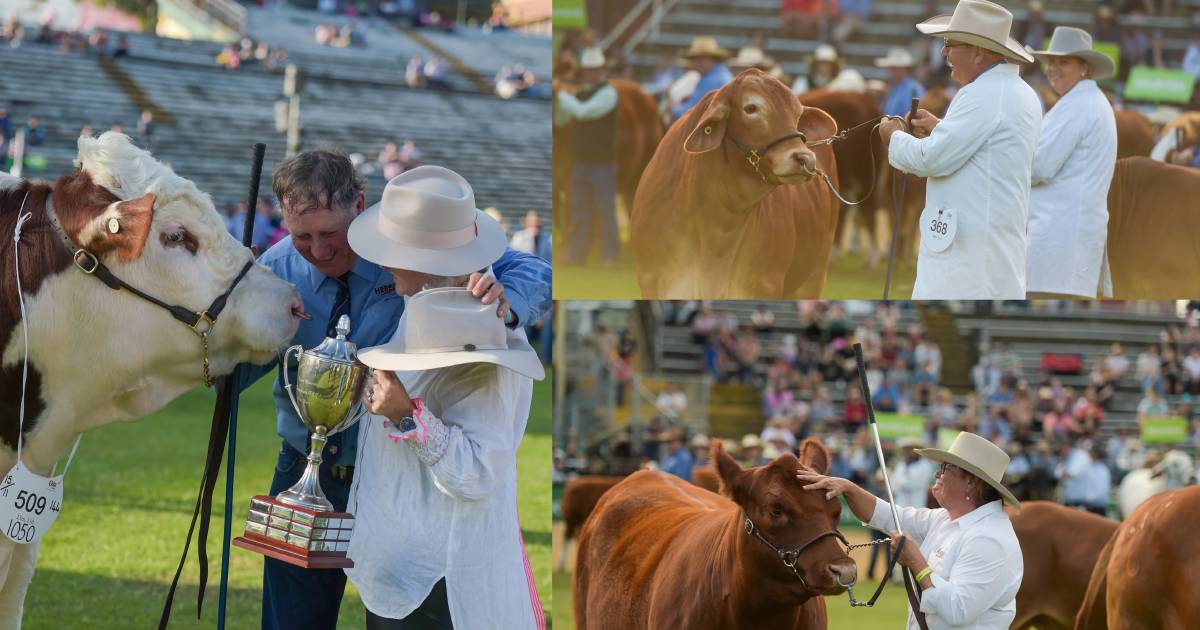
x: 729, y: 206
x: 1059, y: 546
x: 1154, y: 230
x: 1147, y: 574
x: 661, y: 553
x: 1135, y: 134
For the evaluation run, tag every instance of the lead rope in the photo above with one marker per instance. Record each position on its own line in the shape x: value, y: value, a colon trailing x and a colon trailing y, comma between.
x: 21, y: 219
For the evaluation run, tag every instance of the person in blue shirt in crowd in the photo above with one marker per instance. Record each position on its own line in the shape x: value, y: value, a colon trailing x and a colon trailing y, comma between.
x: 679, y: 461
x: 705, y: 58
x: 901, y: 87
x: 320, y: 193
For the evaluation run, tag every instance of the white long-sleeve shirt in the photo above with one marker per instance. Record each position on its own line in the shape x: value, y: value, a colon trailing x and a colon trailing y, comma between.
x: 976, y: 561
x: 978, y: 161
x: 911, y: 482
x: 1068, y: 204
x: 416, y: 523
x: 569, y: 109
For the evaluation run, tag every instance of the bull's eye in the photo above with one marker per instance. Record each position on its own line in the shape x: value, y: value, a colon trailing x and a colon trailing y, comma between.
x: 776, y: 511
x: 176, y: 236
x: 750, y: 108
x: 179, y: 238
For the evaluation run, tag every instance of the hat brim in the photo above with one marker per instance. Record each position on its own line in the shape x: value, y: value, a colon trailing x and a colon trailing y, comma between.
x: 1101, y: 65
x: 519, y: 357
x: 946, y: 457
x: 370, y: 243
x: 939, y: 26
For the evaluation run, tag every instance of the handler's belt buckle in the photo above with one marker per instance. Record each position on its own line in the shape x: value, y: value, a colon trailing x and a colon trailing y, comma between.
x: 343, y: 473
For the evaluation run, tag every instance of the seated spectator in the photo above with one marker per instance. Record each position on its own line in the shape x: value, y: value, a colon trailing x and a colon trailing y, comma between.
x: 887, y: 396
x: 98, y: 42
x: 531, y: 239
x: 1059, y: 423
x: 389, y: 160
x: 763, y: 320
x: 1034, y: 31
x: 704, y: 324
x: 1151, y: 406
x: 414, y: 73
x: 1116, y: 361
x: 228, y: 58
x: 854, y: 411
x: 245, y: 51
x: 944, y: 412
x: 901, y: 87
x: 1191, y: 372
x: 826, y: 71
x: 410, y: 155
x: 35, y: 134
x: 324, y: 33
x: 278, y: 59
x: 821, y: 409
x: 435, y: 74
x: 678, y: 460
x: 1149, y: 369
x: 672, y: 402
x: 262, y: 52
x: 802, y: 19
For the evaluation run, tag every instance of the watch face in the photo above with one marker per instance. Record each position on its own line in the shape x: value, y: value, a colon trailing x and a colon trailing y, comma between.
x: 408, y: 424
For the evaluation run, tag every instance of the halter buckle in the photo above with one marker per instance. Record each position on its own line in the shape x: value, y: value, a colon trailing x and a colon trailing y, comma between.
x: 204, y: 324
x: 83, y: 255
x: 753, y: 158
x: 749, y: 526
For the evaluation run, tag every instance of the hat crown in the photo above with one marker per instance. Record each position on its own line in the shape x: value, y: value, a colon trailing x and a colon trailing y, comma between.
x: 983, y: 18
x: 451, y: 320
x: 991, y: 459
x: 1068, y: 39
x: 592, y: 58
x: 427, y: 199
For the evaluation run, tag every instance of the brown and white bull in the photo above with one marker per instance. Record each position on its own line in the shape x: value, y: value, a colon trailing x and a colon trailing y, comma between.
x: 729, y: 208
x: 98, y: 355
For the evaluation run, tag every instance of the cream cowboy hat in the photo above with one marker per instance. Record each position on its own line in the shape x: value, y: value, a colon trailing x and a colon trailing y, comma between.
x: 1068, y: 41
x: 449, y: 326
x: 427, y: 222
x: 825, y: 52
x: 705, y: 46
x: 978, y: 23
x: 592, y: 58
x: 752, y: 57
x: 896, y: 58
x: 977, y: 456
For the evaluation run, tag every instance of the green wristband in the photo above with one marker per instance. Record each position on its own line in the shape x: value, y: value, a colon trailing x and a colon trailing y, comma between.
x: 924, y: 572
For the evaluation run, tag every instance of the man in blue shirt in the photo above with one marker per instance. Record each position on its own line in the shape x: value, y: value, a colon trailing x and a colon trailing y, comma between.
x: 901, y: 87
x: 706, y: 58
x: 678, y: 461
x: 320, y: 193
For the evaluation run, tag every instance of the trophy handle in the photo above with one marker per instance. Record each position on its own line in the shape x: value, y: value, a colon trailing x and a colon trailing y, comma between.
x: 362, y: 406
x: 287, y: 384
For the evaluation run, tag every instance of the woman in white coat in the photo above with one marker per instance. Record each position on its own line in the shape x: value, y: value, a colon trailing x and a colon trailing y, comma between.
x: 1072, y: 168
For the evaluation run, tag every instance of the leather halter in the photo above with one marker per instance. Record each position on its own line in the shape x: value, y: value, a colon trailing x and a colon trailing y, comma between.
x: 754, y: 156
x: 200, y: 322
x: 790, y: 554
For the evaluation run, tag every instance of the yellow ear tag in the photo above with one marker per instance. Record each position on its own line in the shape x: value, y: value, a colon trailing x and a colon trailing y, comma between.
x: 707, y: 131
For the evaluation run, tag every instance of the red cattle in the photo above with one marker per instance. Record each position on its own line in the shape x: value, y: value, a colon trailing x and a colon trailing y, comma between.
x: 1059, y: 546
x: 1135, y: 134
x: 97, y: 355
x: 1147, y: 574
x: 1154, y: 230
x: 729, y: 207
x: 662, y: 553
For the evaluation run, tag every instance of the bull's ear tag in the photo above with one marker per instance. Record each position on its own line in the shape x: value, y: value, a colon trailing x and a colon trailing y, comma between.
x: 708, y: 130
x: 114, y: 225
x: 29, y: 504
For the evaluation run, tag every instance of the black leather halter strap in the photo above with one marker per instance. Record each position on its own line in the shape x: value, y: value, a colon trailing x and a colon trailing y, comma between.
x: 200, y: 322
x: 790, y: 554
x: 754, y: 156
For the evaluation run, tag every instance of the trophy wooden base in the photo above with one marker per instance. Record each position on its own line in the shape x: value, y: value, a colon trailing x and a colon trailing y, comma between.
x: 303, y: 537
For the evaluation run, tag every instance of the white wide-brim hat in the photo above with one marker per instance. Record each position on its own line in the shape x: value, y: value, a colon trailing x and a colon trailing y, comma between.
x: 592, y: 58
x: 427, y: 222
x: 896, y: 58
x: 1068, y: 41
x: 449, y: 326
x: 978, y: 23
x: 977, y: 456
x: 705, y: 46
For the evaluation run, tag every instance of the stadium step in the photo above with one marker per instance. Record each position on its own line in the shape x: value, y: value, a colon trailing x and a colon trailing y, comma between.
x: 134, y: 91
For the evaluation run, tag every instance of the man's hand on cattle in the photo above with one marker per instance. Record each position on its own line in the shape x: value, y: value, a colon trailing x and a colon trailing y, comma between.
x: 910, y: 556
x: 833, y: 486
x: 488, y: 290
x: 924, y: 123
x: 387, y: 397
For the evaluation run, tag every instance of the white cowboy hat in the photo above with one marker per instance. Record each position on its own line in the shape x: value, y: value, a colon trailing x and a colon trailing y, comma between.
x: 427, y: 222
x: 751, y: 441
x: 896, y: 58
x: 699, y: 441
x: 449, y: 326
x: 705, y: 46
x: 978, y: 23
x: 1068, y: 41
x: 909, y: 442
x: 977, y: 456
x: 752, y: 57
x: 591, y: 58
x: 825, y: 52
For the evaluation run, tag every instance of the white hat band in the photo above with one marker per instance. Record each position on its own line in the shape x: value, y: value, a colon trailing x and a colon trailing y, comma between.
x: 423, y: 239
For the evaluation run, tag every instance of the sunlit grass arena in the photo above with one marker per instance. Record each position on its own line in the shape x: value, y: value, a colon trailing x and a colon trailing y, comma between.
x: 129, y: 495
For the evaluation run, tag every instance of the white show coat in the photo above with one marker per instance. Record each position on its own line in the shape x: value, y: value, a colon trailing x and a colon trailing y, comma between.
x: 978, y: 161
x: 976, y: 561
x: 1068, y: 205
x: 416, y: 523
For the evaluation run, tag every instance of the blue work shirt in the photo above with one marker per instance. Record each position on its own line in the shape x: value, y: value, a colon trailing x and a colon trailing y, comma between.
x: 375, y: 310
x: 714, y: 80
x: 899, y: 99
x: 680, y: 464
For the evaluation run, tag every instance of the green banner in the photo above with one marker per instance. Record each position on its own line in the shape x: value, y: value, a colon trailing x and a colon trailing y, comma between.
x: 570, y: 14
x: 893, y: 426
x: 946, y: 438
x: 1159, y: 86
x: 1164, y: 430
x: 1112, y: 50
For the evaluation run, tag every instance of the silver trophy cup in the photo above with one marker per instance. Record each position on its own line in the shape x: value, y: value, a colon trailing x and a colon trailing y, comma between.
x: 330, y: 384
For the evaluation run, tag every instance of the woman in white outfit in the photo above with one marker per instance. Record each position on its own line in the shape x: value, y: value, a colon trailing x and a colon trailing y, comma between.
x: 965, y: 554
x: 437, y: 543
x: 1072, y: 168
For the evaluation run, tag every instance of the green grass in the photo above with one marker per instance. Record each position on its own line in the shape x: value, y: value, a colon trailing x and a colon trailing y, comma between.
x: 129, y: 496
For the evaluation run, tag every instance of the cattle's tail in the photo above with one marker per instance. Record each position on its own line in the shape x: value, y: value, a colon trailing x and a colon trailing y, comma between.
x: 1092, y: 613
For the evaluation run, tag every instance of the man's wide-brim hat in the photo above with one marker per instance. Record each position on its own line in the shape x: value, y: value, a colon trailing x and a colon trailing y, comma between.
x: 427, y: 222
x: 978, y: 23
x: 591, y: 59
x: 705, y: 46
x: 896, y: 58
x: 449, y: 326
x: 977, y: 456
x: 1069, y: 41
x: 752, y: 57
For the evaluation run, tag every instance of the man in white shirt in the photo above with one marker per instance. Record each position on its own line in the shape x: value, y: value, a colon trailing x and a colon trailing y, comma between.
x: 912, y: 476
x: 978, y: 161
x: 968, y: 562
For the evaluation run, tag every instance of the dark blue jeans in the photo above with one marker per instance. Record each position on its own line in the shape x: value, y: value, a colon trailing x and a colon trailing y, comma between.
x: 304, y: 598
